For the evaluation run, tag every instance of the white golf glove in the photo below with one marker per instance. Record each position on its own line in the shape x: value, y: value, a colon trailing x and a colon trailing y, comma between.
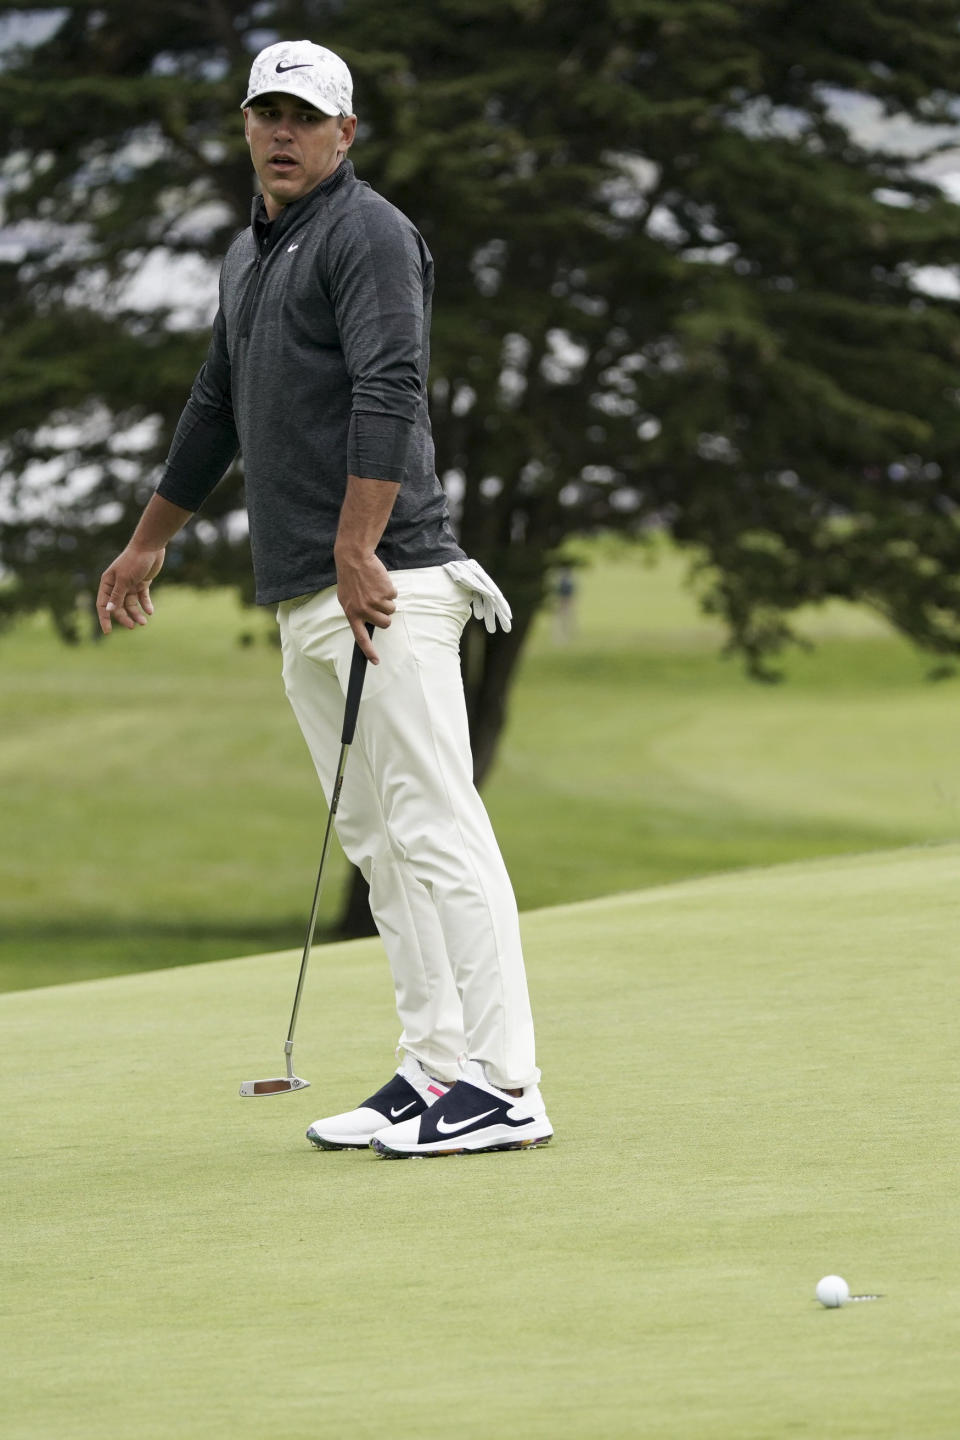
x: 488, y: 600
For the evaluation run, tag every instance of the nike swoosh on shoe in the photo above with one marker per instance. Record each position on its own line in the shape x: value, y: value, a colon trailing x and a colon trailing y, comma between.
x: 449, y: 1127
x: 395, y: 1114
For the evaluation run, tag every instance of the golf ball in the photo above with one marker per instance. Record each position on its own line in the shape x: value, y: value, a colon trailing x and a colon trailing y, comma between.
x: 833, y: 1291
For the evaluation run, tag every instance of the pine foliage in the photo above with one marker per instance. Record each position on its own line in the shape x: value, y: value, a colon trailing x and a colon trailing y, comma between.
x: 675, y: 287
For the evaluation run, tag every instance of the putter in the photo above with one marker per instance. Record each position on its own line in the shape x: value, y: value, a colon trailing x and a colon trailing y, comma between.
x: 283, y: 1085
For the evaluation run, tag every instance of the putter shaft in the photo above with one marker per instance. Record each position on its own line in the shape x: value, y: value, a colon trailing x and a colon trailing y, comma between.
x: 358, y: 669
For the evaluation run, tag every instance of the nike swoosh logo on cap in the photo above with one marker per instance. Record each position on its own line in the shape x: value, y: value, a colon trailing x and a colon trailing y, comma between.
x: 448, y: 1127
x: 402, y: 1111
x: 282, y: 69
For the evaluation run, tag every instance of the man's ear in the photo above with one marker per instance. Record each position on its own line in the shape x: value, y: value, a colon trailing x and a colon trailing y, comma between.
x: 246, y: 124
x: 348, y: 130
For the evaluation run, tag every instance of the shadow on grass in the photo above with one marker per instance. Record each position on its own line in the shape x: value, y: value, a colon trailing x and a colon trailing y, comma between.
x: 57, y: 952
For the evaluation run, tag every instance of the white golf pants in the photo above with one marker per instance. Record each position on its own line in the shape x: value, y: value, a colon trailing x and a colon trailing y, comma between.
x: 411, y: 819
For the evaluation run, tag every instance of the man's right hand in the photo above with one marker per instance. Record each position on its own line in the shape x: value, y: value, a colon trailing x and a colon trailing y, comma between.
x: 124, y: 594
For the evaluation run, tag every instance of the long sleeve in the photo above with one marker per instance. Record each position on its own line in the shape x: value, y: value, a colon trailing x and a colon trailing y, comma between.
x: 379, y: 273
x: 205, y: 441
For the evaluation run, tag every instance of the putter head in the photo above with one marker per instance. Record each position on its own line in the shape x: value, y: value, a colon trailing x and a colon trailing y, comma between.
x: 274, y: 1087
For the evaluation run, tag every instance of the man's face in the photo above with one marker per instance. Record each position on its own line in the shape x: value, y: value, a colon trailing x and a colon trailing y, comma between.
x: 293, y: 146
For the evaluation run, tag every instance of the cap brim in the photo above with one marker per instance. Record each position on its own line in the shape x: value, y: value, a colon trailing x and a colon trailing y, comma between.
x: 291, y: 88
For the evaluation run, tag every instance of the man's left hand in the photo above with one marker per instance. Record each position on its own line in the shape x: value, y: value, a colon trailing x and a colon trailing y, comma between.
x: 368, y: 595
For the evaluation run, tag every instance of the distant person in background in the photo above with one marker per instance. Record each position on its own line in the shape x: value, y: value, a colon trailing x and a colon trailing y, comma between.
x: 566, y: 593
x: 317, y: 372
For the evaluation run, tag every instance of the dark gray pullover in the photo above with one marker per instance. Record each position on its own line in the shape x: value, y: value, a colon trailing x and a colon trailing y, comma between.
x: 317, y: 368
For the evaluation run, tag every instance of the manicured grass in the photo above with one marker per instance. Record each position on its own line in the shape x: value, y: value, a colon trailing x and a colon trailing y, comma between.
x: 160, y: 807
x: 638, y: 754
x: 752, y: 1079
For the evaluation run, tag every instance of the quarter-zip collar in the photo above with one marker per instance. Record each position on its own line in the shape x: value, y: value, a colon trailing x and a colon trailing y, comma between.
x: 268, y: 232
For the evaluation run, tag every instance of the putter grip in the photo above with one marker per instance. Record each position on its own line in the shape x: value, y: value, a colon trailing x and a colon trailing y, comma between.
x: 358, y: 669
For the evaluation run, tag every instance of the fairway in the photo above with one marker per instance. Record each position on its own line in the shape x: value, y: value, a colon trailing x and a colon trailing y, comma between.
x: 160, y: 806
x: 753, y: 1083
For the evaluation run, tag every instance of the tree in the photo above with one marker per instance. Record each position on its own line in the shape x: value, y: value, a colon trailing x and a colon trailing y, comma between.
x: 673, y: 288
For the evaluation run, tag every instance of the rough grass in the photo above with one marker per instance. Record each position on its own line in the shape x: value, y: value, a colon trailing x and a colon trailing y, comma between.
x: 752, y: 1079
x: 159, y: 806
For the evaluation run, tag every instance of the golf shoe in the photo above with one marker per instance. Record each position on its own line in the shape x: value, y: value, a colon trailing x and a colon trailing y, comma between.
x: 406, y: 1095
x: 472, y: 1117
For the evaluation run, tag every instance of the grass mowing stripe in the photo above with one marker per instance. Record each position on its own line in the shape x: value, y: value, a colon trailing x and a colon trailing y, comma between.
x: 751, y: 1077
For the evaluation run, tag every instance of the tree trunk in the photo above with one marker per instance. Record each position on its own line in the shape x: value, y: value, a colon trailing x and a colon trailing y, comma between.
x: 488, y: 663
x: 356, y: 922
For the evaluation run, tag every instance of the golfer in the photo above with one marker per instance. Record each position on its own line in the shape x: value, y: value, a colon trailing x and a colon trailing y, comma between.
x: 317, y: 373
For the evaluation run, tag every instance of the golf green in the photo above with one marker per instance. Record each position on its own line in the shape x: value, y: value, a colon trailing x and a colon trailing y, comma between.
x: 753, y: 1083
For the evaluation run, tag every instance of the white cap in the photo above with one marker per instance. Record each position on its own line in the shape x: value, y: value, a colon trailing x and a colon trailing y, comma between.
x: 298, y: 67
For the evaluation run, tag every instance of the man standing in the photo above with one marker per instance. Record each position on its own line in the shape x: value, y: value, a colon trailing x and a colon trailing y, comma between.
x: 317, y: 373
